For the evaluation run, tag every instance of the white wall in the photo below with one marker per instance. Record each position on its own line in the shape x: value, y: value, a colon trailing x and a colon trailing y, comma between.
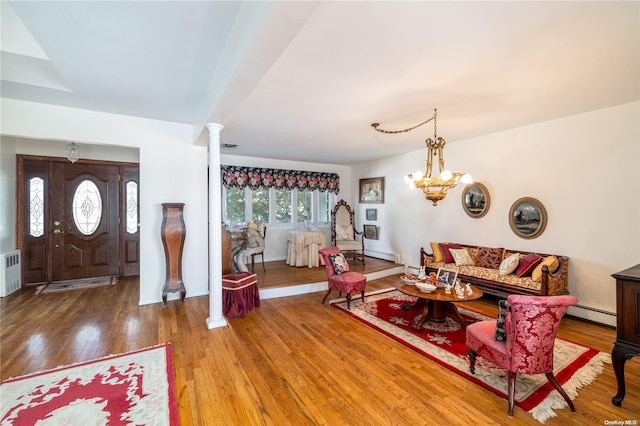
x: 7, y: 194
x: 172, y: 169
x: 585, y: 169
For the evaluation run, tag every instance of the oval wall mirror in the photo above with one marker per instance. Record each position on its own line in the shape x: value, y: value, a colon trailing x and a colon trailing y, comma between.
x: 527, y: 218
x: 475, y: 200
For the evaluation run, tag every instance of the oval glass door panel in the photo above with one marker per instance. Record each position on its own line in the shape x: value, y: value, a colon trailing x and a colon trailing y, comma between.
x: 87, y: 207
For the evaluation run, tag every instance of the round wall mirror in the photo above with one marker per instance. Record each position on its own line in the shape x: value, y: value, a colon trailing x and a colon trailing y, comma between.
x: 475, y: 200
x: 527, y: 218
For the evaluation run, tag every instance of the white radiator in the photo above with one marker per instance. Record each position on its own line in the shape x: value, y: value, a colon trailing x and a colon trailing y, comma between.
x: 10, y: 273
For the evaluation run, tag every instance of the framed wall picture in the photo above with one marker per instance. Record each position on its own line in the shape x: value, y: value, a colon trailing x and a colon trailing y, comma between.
x: 371, y: 232
x: 372, y: 190
x: 372, y: 214
x: 446, y: 276
x: 475, y: 200
x: 527, y: 218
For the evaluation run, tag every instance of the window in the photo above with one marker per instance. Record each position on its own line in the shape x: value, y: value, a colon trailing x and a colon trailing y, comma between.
x: 36, y: 207
x: 281, y: 206
x: 304, y: 206
x: 277, y: 196
x: 132, y: 207
x: 87, y: 207
x: 234, y: 206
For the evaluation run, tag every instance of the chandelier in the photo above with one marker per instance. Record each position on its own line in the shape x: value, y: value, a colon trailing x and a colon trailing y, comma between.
x: 72, y: 151
x: 434, y: 188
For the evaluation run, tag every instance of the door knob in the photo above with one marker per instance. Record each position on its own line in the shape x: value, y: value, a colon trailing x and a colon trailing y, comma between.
x: 56, y: 223
x: 57, y: 231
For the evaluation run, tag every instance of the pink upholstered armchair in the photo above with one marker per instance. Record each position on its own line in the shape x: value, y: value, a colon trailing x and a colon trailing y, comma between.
x: 346, y: 282
x: 531, y: 323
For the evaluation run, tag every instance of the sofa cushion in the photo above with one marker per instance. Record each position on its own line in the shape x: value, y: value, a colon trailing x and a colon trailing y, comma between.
x: 501, y: 334
x: 461, y: 257
x: 509, y: 264
x: 489, y: 257
x: 438, y: 256
x: 339, y: 263
x: 344, y: 232
x: 527, y: 264
x: 448, y: 258
x: 550, y: 261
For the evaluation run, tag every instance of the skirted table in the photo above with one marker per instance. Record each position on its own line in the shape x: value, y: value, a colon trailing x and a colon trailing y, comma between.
x: 240, y: 294
x: 303, y: 248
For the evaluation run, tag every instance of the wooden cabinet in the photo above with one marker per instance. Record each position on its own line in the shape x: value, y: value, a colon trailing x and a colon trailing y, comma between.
x: 627, y: 344
x: 227, y: 263
x: 173, y: 233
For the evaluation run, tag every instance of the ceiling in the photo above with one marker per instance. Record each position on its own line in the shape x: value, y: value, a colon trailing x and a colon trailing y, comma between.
x: 304, y: 80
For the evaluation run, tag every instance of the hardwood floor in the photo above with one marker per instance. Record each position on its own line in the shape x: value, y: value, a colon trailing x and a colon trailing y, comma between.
x: 279, y: 274
x: 291, y: 361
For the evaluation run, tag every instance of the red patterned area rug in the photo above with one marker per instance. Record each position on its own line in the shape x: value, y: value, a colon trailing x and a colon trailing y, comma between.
x: 575, y: 365
x: 60, y: 286
x: 134, y: 388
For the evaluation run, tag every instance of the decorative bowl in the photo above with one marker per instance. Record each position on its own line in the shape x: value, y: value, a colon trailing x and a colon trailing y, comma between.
x: 409, y: 280
x: 425, y: 287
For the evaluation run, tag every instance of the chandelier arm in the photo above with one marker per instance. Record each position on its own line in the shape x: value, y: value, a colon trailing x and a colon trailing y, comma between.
x: 375, y: 126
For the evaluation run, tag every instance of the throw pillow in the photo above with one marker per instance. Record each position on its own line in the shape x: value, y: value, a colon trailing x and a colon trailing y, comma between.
x: 551, y: 262
x: 489, y: 257
x: 501, y: 334
x: 344, y: 232
x: 461, y: 257
x: 528, y: 264
x: 339, y: 263
x: 438, y: 256
x: 509, y: 264
x: 448, y: 258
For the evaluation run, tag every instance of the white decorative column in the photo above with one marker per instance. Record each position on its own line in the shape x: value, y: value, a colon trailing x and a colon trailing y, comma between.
x: 216, y: 319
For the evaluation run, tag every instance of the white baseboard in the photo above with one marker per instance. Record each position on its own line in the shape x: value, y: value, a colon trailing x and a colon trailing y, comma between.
x: 294, y: 290
x: 383, y: 255
x: 593, y: 315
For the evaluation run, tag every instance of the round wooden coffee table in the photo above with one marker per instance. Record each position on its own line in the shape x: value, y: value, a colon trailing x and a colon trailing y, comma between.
x: 437, y: 306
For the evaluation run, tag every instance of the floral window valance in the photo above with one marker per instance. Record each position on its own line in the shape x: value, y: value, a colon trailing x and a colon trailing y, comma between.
x: 260, y: 178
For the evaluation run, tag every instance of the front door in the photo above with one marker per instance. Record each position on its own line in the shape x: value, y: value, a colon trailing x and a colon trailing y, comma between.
x: 70, y: 221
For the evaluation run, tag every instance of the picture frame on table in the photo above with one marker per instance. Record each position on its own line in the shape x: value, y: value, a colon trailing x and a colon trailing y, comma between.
x: 371, y: 214
x: 372, y: 190
x: 446, y: 276
x: 371, y: 232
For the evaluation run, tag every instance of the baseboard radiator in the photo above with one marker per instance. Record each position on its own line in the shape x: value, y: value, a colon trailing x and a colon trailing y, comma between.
x: 10, y: 278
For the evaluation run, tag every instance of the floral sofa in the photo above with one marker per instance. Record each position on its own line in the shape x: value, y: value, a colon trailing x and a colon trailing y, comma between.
x: 500, y: 271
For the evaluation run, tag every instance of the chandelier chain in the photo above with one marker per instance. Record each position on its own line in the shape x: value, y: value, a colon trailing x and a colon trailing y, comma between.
x: 375, y: 126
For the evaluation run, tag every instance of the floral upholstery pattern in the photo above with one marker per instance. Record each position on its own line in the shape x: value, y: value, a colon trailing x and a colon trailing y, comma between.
x: 346, y: 282
x: 531, y: 324
x: 263, y: 178
x: 489, y: 274
x: 556, y: 279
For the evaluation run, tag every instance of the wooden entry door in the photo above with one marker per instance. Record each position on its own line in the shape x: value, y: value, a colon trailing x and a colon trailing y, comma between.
x: 85, y: 221
x: 76, y: 232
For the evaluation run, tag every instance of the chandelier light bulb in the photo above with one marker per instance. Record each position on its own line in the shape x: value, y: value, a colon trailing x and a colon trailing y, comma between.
x: 446, y: 175
x: 466, y: 178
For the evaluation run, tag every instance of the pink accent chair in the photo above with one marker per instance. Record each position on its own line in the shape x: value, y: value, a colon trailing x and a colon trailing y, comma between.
x: 530, y: 325
x: 347, y: 282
